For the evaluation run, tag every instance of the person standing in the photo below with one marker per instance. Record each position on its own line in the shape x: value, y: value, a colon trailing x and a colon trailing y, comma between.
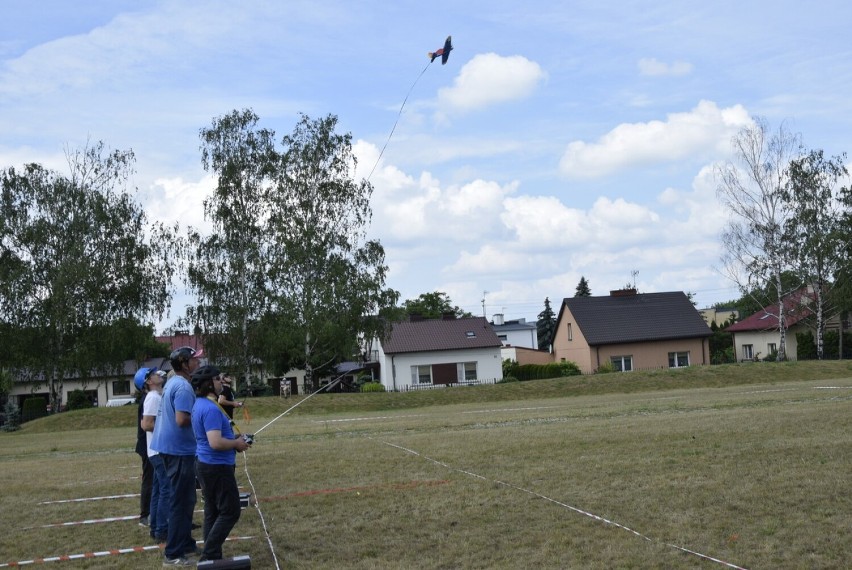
x: 158, y: 518
x: 174, y: 440
x: 142, y: 448
x: 217, y: 443
x: 226, y: 398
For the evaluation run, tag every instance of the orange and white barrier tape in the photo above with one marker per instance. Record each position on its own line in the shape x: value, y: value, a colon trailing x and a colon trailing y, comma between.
x: 100, y: 554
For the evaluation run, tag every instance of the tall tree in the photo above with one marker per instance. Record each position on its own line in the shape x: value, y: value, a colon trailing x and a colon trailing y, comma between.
x: 78, y: 262
x: 432, y: 305
x: 545, y: 325
x: 813, y: 231
x: 229, y: 268
x: 326, y: 277
x: 583, y: 289
x: 752, y: 189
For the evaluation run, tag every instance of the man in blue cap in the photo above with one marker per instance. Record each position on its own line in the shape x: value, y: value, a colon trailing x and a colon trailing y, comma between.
x: 139, y: 380
x: 174, y: 440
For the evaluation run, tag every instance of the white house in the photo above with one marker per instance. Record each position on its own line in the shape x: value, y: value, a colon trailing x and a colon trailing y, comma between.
x: 433, y: 352
x: 517, y: 332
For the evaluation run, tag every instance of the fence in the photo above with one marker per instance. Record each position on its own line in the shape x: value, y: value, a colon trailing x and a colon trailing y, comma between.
x: 477, y: 382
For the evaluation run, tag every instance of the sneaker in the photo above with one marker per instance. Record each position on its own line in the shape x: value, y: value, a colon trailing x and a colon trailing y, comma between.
x: 143, y: 521
x: 180, y: 561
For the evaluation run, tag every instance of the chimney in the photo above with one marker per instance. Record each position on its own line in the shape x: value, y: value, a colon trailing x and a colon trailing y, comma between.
x: 498, y: 319
x: 623, y: 293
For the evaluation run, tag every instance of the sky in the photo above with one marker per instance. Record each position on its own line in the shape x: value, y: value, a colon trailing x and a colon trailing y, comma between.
x: 561, y: 140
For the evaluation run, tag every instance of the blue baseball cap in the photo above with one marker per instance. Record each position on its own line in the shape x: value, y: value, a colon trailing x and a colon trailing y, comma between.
x: 142, y: 375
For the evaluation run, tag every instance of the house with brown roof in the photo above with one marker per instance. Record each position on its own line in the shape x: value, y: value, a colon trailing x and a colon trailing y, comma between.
x: 758, y: 335
x: 425, y: 353
x: 631, y: 331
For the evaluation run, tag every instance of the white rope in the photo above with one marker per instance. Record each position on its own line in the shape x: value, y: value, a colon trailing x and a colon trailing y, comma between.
x: 554, y: 501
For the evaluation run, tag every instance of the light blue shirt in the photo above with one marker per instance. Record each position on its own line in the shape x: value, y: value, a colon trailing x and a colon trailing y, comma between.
x: 169, y: 438
x: 206, y: 416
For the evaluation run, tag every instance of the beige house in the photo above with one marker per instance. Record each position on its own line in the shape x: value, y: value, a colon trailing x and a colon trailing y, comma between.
x: 757, y: 336
x: 719, y: 315
x: 631, y: 331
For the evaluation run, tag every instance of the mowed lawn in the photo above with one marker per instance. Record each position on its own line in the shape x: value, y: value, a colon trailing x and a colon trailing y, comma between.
x: 748, y: 465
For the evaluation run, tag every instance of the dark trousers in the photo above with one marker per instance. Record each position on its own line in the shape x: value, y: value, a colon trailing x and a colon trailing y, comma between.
x: 147, y: 486
x: 221, y: 506
x: 180, y: 470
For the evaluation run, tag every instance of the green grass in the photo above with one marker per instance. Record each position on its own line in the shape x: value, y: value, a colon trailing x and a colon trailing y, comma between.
x: 746, y: 463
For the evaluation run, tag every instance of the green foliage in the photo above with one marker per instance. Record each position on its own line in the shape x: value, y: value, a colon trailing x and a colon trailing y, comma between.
x: 583, y: 289
x: 568, y: 368
x: 508, y: 366
x: 525, y: 372
x: 372, y: 387
x: 432, y: 305
x: 78, y: 261
x: 34, y: 408
x: 721, y: 346
x: 507, y: 379
x: 78, y: 400
x: 605, y: 368
x: 806, y: 345
x: 545, y: 326
x: 13, y: 416
x: 5, y: 382
x: 287, y: 276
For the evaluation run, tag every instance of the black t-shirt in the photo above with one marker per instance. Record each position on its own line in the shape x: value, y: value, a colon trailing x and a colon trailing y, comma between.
x: 229, y: 395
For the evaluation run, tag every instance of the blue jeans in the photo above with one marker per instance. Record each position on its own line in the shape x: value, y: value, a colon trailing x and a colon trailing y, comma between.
x: 180, y: 470
x: 221, y: 506
x: 161, y: 498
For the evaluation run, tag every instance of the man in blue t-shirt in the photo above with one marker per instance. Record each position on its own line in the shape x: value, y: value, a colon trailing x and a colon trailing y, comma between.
x: 217, y: 443
x: 175, y: 442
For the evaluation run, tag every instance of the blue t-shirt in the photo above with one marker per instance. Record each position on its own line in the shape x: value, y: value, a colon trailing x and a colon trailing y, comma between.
x: 169, y: 438
x: 207, y: 416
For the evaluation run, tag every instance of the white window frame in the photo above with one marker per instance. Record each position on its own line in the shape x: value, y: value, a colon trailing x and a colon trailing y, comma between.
x: 417, y: 376
x: 466, y: 371
x: 618, y: 362
x: 748, y: 351
x: 570, y: 332
x: 675, y: 359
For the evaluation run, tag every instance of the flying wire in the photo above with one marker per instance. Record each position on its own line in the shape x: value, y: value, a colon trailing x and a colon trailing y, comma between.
x: 397, y: 119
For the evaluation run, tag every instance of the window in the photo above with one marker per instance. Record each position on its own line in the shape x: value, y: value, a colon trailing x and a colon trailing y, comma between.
x: 470, y: 334
x: 748, y: 352
x: 121, y: 387
x: 622, y: 363
x: 570, y: 332
x: 678, y: 359
x: 771, y: 348
x: 503, y: 337
x: 421, y: 374
x: 467, y: 371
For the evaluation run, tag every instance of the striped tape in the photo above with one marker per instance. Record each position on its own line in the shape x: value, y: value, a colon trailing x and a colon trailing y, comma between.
x: 84, y: 499
x: 100, y: 554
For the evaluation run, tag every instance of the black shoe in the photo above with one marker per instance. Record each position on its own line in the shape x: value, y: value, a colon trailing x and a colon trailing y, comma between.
x: 143, y: 521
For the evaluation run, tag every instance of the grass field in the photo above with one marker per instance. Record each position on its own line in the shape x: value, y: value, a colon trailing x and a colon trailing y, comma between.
x: 747, y: 464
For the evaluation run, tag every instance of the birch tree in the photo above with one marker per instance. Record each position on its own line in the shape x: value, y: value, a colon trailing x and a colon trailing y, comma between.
x: 80, y: 267
x: 812, y: 231
x: 229, y: 267
x: 328, y: 278
x: 752, y: 189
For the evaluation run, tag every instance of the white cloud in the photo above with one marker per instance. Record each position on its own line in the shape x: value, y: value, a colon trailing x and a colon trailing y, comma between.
x: 701, y: 132
x: 177, y: 200
x: 655, y: 68
x: 490, y: 78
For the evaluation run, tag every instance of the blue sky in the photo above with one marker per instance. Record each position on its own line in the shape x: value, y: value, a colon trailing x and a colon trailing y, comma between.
x: 560, y: 140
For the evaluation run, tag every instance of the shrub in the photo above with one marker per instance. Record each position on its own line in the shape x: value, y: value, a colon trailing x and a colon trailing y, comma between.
x: 568, y: 368
x: 507, y: 379
x: 372, y: 387
x: 78, y: 400
x: 13, y: 416
x: 34, y: 408
x: 605, y: 368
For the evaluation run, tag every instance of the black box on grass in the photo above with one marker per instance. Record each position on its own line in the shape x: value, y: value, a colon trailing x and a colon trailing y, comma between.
x: 235, y: 563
